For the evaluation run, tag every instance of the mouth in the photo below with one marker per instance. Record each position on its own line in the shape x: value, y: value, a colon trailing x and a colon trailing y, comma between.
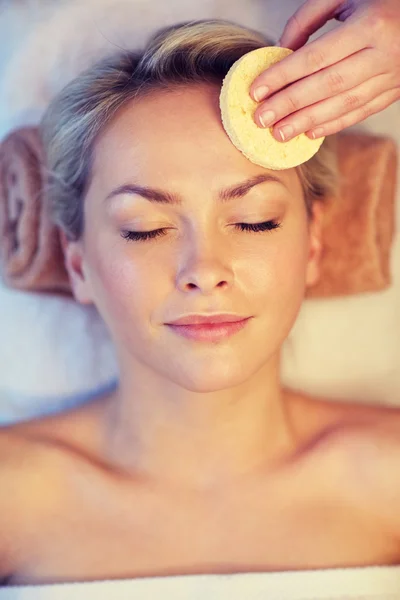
x: 208, y: 323
x: 219, y: 319
x: 209, y: 332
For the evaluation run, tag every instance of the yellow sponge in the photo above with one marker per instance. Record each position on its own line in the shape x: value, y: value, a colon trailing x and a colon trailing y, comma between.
x: 237, y: 110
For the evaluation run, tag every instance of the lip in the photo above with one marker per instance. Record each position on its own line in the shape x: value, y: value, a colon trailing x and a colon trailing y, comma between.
x: 208, y: 319
x: 209, y: 332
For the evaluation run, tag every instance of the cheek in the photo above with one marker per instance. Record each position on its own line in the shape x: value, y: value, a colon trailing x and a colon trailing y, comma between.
x: 293, y: 265
x: 279, y: 270
x: 123, y: 289
x: 278, y: 281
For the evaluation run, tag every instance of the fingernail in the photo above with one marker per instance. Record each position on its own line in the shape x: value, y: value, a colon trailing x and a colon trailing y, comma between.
x: 319, y: 132
x: 286, y: 132
x: 260, y: 93
x: 267, y: 118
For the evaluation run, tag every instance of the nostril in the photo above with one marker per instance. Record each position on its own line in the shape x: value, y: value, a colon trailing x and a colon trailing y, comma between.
x: 13, y: 178
x: 14, y: 219
x: 16, y: 206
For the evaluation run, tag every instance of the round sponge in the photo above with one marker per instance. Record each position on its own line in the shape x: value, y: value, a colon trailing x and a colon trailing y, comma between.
x: 238, y: 107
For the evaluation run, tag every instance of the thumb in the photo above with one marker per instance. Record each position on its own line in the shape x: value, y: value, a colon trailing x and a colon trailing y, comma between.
x: 307, y: 19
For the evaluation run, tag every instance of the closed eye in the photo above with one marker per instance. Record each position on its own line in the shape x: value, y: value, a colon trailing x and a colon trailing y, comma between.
x: 140, y: 236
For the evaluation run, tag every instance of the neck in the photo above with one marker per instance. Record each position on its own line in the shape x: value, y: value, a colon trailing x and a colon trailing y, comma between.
x: 199, y: 441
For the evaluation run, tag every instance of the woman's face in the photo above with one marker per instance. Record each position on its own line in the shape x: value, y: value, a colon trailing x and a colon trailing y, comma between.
x: 175, y: 144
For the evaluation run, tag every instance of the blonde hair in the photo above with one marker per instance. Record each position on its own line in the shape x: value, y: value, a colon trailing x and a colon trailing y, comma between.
x: 183, y: 54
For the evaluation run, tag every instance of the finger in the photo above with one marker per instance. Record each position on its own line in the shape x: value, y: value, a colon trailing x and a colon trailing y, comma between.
x: 332, y: 108
x: 329, y: 82
x: 327, y: 50
x: 307, y: 19
x: 356, y: 116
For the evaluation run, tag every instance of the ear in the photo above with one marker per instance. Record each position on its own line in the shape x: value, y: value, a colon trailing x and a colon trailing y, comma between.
x: 75, y: 265
x: 315, y: 236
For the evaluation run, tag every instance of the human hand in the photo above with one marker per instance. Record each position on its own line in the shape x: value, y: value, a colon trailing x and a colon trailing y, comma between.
x: 339, y: 79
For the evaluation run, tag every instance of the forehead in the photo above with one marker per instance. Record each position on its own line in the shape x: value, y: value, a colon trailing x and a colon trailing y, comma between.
x: 170, y: 135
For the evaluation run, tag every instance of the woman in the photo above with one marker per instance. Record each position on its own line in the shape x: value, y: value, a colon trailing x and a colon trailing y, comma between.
x: 199, y: 462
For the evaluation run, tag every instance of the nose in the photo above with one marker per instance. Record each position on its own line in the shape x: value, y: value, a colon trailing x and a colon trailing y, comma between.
x: 206, y: 267
x: 205, y: 283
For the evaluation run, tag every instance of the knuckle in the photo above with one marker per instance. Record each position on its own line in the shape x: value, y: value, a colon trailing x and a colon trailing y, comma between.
x: 312, y: 121
x: 377, y: 22
x: 351, y: 101
x: 315, y: 60
x: 282, y: 69
x: 280, y: 79
x: 340, y: 124
x: 381, y: 26
x: 366, y: 111
x: 294, y: 24
x: 292, y: 103
x: 335, y: 81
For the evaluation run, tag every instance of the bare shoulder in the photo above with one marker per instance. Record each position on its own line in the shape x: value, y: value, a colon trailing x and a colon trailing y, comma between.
x: 19, y: 462
x: 330, y: 418
x: 371, y: 447
x: 33, y: 460
x: 369, y: 437
x: 32, y: 447
x: 73, y: 427
x: 363, y: 442
x: 349, y: 425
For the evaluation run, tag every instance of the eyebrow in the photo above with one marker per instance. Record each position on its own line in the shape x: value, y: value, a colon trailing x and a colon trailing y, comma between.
x: 161, y: 197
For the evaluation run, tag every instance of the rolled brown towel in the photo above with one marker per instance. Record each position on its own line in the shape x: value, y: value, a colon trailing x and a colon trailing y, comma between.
x: 358, y: 224
x: 31, y: 256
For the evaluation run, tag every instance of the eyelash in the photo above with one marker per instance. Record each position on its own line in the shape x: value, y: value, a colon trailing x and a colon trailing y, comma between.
x: 141, y: 236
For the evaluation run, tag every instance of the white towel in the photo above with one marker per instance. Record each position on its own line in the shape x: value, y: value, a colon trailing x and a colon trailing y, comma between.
x: 363, y: 583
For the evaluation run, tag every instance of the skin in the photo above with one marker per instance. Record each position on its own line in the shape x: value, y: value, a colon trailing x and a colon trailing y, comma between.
x: 200, y: 461
x: 338, y: 79
x: 188, y: 392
